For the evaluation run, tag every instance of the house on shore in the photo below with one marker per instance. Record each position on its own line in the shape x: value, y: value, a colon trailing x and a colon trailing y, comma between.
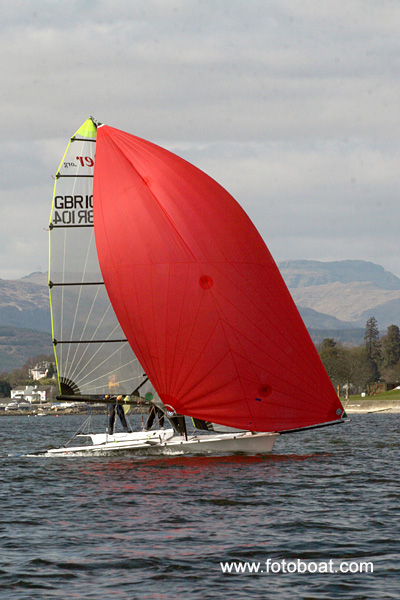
x: 34, y: 394
x: 42, y: 369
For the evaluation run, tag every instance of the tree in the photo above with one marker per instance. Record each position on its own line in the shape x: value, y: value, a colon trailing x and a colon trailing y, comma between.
x: 371, y: 336
x: 359, y: 369
x: 333, y: 357
x: 21, y: 376
x: 5, y: 388
x: 372, y: 344
x: 350, y: 368
x: 391, y: 347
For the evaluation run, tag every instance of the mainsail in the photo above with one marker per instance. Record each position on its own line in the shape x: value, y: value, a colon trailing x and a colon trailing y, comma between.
x: 92, y: 354
x: 198, y: 295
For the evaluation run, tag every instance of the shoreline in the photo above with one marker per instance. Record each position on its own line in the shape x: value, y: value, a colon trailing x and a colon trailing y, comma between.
x: 356, y: 406
x: 351, y: 408
x: 370, y: 406
x: 47, y: 411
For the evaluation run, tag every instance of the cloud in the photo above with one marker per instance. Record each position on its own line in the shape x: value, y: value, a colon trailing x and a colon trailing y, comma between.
x: 291, y: 105
x: 334, y: 201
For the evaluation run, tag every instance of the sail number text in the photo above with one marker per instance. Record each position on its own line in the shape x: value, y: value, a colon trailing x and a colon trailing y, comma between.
x: 73, y: 210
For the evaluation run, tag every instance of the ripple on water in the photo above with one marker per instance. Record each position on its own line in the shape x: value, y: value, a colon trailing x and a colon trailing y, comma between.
x: 159, y: 527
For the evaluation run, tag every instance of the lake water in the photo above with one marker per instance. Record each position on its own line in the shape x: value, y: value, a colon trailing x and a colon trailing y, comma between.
x: 158, y: 528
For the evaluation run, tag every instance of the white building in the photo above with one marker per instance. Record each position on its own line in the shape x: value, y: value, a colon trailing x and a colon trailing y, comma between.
x: 31, y: 393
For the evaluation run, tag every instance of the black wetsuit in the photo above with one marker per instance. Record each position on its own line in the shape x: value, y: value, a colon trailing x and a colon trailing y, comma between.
x: 153, y: 413
x: 117, y: 408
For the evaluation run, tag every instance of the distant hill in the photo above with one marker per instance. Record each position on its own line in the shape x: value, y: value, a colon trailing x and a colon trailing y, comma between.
x: 348, y: 337
x: 24, y: 320
x: 17, y: 345
x: 36, y: 277
x: 306, y: 273
x: 25, y: 302
x: 350, y: 302
x: 315, y: 319
x: 335, y: 299
x: 350, y: 291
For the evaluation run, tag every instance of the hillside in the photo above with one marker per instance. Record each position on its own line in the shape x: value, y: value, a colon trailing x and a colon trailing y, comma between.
x: 24, y: 320
x: 349, y: 302
x: 306, y: 273
x: 17, y: 345
x: 37, y: 277
x: 350, y: 291
x: 25, y: 303
x: 335, y: 299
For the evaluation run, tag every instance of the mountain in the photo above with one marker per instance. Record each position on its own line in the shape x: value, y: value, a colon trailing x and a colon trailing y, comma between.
x: 349, y: 291
x: 25, y: 302
x: 335, y: 299
x: 315, y: 319
x: 307, y: 273
x: 37, y: 277
x: 25, y: 328
x: 18, y: 344
x: 350, y: 302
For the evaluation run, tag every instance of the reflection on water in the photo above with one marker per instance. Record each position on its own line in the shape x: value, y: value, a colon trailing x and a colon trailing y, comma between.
x: 157, y: 527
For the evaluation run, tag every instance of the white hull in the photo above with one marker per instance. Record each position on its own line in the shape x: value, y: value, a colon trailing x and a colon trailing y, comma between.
x: 166, y: 442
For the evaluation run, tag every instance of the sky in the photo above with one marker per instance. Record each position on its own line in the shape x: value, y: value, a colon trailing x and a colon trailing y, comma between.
x: 292, y: 105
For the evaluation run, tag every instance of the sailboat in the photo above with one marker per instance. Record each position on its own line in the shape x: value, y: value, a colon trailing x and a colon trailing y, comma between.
x: 163, y: 291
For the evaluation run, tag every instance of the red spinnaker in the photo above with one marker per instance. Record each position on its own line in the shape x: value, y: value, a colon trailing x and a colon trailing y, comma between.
x: 199, y: 296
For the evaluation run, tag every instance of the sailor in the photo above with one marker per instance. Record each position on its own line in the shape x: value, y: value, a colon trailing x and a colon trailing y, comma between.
x: 113, y: 384
x: 154, y: 412
x: 115, y: 407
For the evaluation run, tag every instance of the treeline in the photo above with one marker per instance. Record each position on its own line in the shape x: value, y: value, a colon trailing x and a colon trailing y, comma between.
x: 21, y: 376
x: 353, y: 369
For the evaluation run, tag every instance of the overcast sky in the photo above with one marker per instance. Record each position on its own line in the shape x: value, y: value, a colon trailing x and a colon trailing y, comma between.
x: 292, y: 105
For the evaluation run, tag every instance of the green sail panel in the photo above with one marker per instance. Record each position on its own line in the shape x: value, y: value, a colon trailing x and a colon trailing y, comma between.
x: 92, y: 355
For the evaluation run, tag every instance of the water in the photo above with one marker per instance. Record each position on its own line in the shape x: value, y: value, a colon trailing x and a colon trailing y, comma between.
x: 158, y: 528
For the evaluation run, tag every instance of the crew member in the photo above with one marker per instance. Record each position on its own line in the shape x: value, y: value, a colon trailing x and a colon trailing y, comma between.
x: 115, y: 407
x: 153, y: 413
